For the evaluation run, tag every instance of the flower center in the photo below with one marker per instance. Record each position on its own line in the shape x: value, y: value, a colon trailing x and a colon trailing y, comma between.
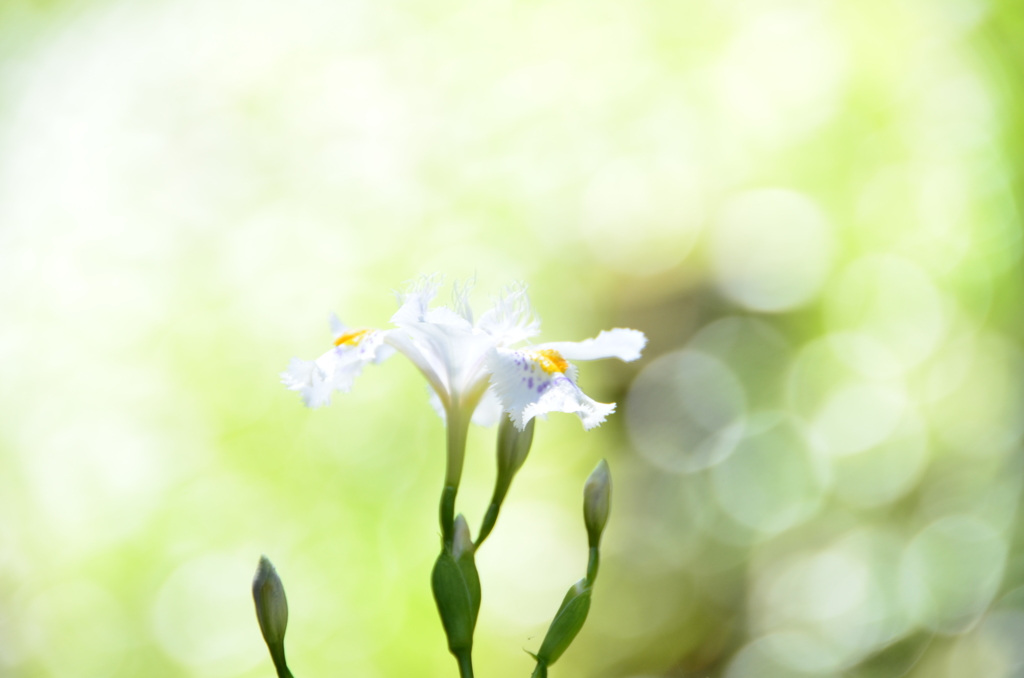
x: 550, y: 360
x: 351, y: 338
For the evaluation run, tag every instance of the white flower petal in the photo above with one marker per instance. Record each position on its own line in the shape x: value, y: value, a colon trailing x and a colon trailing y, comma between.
x: 460, y: 299
x: 307, y: 378
x: 455, y: 352
x: 414, y: 302
x: 511, y: 319
x: 530, y: 384
x: 384, y: 351
x: 458, y: 358
x: 488, y: 412
x: 444, y: 316
x: 337, y: 369
x: 621, y: 343
x: 435, y: 402
x: 422, y: 357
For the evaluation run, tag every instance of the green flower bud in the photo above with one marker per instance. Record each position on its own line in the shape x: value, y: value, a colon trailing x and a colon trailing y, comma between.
x: 454, y: 604
x: 566, y: 624
x: 271, y: 612
x: 513, y: 447
x: 464, y: 553
x: 271, y: 604
x: 597, y: 502
x: 463, y: 541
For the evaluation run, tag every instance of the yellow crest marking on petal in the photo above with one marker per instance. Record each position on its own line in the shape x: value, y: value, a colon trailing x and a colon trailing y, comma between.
x: 352, y: 338
x: 550, y: 360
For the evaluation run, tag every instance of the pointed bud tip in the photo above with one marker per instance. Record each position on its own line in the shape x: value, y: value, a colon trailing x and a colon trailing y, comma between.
x: 264, y: 566
x: 597, y: 501
x: 463, y: 541
x: 271, y: 603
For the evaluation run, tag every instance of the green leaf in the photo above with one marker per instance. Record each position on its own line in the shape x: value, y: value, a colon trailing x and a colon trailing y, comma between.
x: 467, y: 566
x: 464, y: 554
x: 567, y: 623
x: 454, y: 603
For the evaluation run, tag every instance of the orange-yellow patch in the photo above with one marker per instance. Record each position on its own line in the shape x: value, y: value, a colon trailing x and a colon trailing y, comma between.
x: 351, y: 338
x: 550, y: 360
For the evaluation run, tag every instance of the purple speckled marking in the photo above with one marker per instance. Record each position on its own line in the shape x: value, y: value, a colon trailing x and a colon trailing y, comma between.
x: 529, y: 384
x: 544, y: 386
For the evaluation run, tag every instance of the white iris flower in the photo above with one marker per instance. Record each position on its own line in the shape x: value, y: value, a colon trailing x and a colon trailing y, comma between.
x: 470, y: 364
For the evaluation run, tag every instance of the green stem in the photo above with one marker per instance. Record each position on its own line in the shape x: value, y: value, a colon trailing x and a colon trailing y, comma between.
x: 277, y: 654
x: 491, y: 517
x: 465, y: 660
x: 458, y: 430
x: 593, y: 563
x: 447, y: 513
x: 541, y: 670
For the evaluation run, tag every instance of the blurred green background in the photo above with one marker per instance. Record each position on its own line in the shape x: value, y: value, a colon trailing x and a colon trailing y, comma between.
x: 810, y: 207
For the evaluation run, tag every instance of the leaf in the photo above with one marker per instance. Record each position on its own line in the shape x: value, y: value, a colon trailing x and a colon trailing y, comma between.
x: 467, y: 566
x: 454, y: 603
x: 566, y: 625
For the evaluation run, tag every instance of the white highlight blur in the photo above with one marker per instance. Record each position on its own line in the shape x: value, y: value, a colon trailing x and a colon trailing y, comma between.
x: 950, y: 571
x: 856, y: 417
x: 993, y: 648
x: 203, y: 616
x: 821, y: 611
x: 770, y: 482
x: 685, y: 411
x: 893, y: 301
x: 782, y: 74
x: 642, y: 217
x: 771, y: 250
x: 77, y: 628
x: 530, y: 562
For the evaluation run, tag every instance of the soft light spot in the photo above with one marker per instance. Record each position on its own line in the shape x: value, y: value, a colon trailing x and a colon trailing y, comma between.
x: 828, y: 609
x: 950, y: 571
x: 526, y: 568
x: 202, y: 616
x: 885, y: 472
x: 783, y: 74
x: 992, y: 649
x: 641, y: 215
x: 769, y: 483
x: 77, y: 628
x: 856, y: 417
x: 686, y: 411
x: 892, y: 301
x: 771, y: 250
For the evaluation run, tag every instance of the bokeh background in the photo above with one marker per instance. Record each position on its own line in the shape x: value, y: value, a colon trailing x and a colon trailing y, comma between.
x: 811, y: 207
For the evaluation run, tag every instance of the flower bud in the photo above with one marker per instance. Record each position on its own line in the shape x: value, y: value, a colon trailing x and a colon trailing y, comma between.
x: 462, y: 544
x: 597, y: 501
x: 513, y: 446
x: 566, y: 625
x: 464, y: 553
x: 454, y: 603
x: 271, y: 604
